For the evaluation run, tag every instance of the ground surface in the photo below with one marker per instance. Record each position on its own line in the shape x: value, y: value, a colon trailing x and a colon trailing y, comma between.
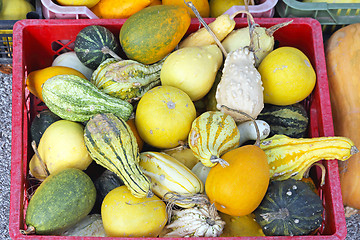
x: 353, y: 222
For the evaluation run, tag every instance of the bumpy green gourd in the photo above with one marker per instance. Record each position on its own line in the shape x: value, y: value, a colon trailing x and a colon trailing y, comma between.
x: 126, y: 79
x: 76, y: 99
x: 112, y: 144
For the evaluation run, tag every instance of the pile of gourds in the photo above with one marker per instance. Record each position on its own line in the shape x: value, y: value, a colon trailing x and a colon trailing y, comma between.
x: 151, y: 81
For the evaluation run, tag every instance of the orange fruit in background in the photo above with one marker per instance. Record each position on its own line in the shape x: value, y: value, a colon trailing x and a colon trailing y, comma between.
x: 35, y: 79
x: 155, y: 2
x: 131, y: 123
x: 218, y: 7
x: 239, y: 188
x: 118, y: 9
x: 201, y: 5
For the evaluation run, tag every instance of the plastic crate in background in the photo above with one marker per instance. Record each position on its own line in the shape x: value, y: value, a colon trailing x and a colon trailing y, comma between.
x: 331, y: 16
x: 6, y: 32
x: 264, y: 9
x: 51, y: 10
x: 32, y: 51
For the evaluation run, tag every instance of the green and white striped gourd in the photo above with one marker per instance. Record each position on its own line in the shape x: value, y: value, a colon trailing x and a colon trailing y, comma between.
x: 126, y: 79
x: 112, y: 144
x: 76, y: 99
x: 212, y: 134
x: 291, y: 120
x: 92, y: 45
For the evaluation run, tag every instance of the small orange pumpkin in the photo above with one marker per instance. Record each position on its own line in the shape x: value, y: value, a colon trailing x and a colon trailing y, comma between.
x: 238, y: 189
x: 118, y: 9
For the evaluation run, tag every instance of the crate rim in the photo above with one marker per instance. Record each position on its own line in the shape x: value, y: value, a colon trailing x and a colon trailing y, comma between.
x: 18, y: 121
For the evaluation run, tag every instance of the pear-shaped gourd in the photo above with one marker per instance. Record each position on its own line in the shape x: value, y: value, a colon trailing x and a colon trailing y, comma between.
x: 212, y: 134
x: 192, y: 69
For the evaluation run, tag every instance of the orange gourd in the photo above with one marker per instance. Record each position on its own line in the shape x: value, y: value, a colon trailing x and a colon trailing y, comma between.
x: 238, y: 189
x: 118, y: 9
x: 342, y: 62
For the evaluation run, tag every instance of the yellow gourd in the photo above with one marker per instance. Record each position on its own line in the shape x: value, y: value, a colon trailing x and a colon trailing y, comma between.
x: 124, y: 215
x: 86, y: 3
x: 292, y: 157
x: 287, y: 76
x: 15, y: 9
x: 163, y: 116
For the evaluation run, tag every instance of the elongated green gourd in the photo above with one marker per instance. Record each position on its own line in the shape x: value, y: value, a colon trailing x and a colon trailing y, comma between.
x: 126, y: 79
x: 76, y: 99
x: 112, y: 144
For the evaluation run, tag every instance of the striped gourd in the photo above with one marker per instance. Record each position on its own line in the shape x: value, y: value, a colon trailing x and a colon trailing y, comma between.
x: 291, y: 120
x: 92, y: 44
x: 168, y: 175
x: 76, y: 99
x: 212, y: 134
x: 126, y: 79
x: 292, y: 157
x: 112, y: 144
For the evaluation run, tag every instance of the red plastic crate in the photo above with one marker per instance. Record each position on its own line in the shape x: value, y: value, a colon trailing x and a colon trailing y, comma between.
x: 37, y: 42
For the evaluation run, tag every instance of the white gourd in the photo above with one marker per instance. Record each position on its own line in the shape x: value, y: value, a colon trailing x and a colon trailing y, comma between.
x: 201, y: 171
x: 240, y: 87
x: 248, y: 131
x: 199, y: 221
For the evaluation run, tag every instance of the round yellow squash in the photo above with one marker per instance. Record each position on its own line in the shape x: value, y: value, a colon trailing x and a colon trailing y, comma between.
x: 163, y: 116
x: 124, y: 215
x: 287, y: 75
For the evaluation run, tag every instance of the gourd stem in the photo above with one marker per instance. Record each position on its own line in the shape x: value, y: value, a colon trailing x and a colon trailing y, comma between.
x: 353, y: 150
x: 215, y: 159
x: 201, y: 20
x: 43, y: 165
x: 30, y: 230
x: 270, y: 31
x: 257, y: 142
x: 173, y: 198
x: 107, y: 50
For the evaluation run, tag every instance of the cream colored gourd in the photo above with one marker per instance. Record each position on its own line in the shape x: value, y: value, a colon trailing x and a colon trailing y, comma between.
x: 240, y: 87
x: 192, y: 69
x: 212, y: 134
x: 221, y: 27
x: 264, y: 40
x: 200, y: 221
x: 61, y: 146
x: 168, y: 175
x: 248, y: 131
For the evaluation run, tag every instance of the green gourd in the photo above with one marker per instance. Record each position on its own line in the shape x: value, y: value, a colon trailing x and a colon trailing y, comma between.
x: 291, y: 120
x: 76, y: 99
x: 61, y: 200
x: 126, y: 79
x: 112, y: 144
x: 92, y: 45
x: 289, y: 208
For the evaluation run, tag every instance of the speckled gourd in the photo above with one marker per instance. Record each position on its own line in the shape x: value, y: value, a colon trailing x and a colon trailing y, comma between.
x: 76, y: 99
x: 212, y: 134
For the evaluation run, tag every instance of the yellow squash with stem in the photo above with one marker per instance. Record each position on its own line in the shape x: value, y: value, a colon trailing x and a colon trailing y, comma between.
x: 292, y: 157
